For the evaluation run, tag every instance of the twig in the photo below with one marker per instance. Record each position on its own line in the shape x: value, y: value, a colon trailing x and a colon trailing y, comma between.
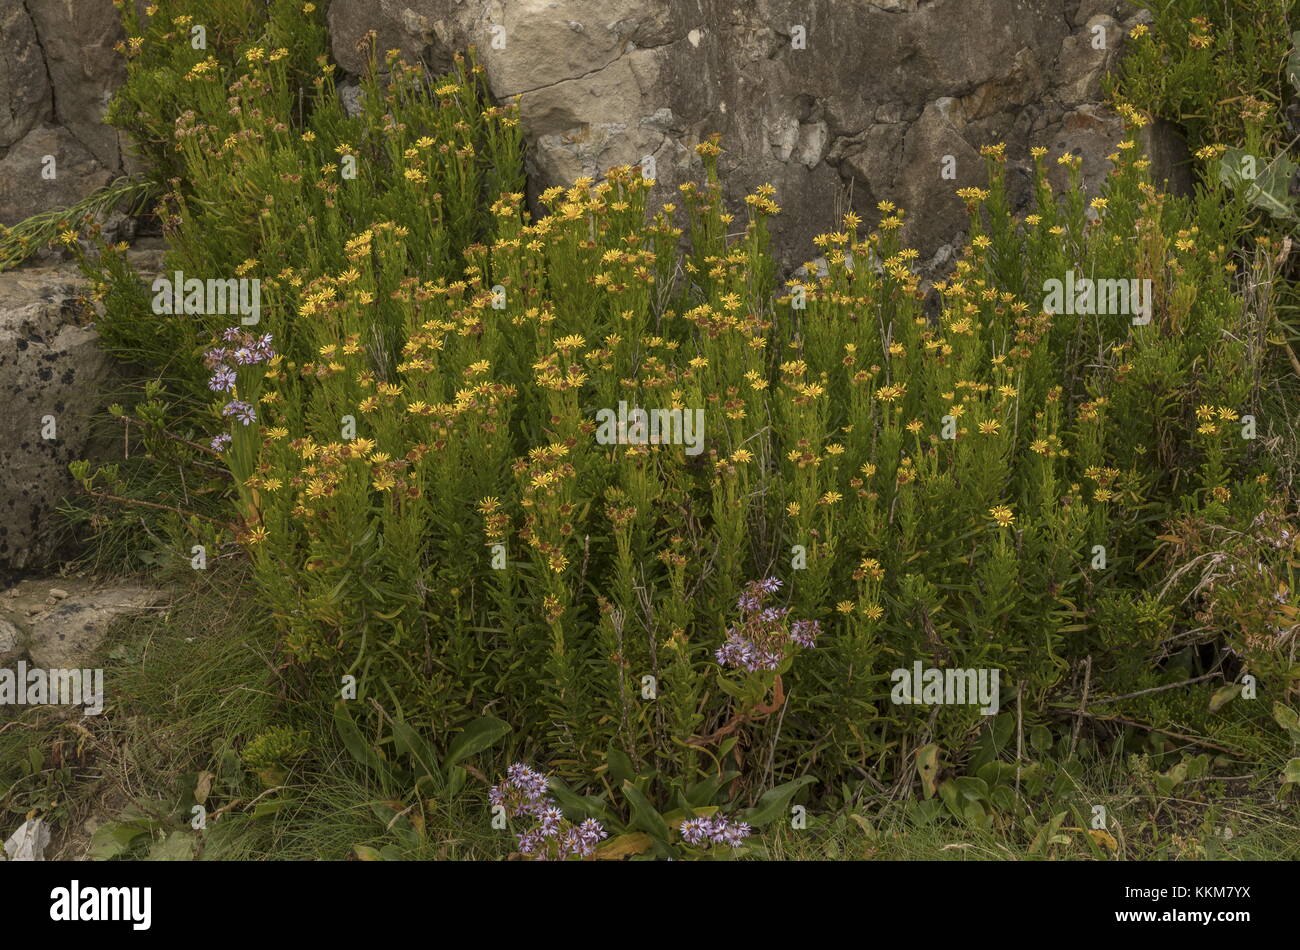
x: 1163, y: 732
x: 1143, y: 692
x: 1083, y: 706
x: 153, y: 504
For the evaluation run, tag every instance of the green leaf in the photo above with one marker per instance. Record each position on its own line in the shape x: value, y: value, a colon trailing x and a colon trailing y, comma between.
x: 115, y: 837
x: 1288, y: 719
x: 355, y: 743
x: 409, y: 742
x: 620, y: 766
x: 773, y: 804
x: 644, y: 815
x: 1291, y: 774
x: 1223, y: 695
x: 1040, y: 737
x: 927, y: 766
x: 615, y: 849
x: 951, y: 798
x: 477, y: 736
x: 177, y: 846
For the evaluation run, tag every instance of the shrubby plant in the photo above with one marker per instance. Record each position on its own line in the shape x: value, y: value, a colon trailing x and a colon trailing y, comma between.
x: 958, y: 474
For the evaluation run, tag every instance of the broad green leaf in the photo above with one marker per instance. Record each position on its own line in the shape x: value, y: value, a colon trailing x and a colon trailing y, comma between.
x: 644, y: 815
x: 115, y: 837
x: 775, y: 801
x: 619, y: 766
x: 477, y: 736
x: 177, y: 846
x: 615, y: 849
x: 1223, y: 695
x: 360, y: 750
x: 1288, y: 719
x: 1291, y: 774
x: 1040, y: 737
x: 409, y: 742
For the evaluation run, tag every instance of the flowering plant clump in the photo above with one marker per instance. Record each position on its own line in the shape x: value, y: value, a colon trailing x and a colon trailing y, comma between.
x: 418, y: 479
x: 553, y: 837
x: 714, y: 829
x: 241, y: 349
x: 764, y: 637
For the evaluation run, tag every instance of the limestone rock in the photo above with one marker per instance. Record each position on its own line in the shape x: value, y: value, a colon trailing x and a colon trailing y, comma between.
x: 824, y: 100
x: 58, y: 71
x: 52, y: 374
x: 69, y: 634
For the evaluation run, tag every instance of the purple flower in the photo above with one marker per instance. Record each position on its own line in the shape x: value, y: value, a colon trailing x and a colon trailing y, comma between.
x: 708, y: 831
x: 223, y: 380
x: 549, y: 821
x: 770, y: 585
x: 735, y: 834
x: 220, y: 442
x: 241, y: 411
x: 231, y: 334
x: 804, y: 632
x: 693, y: 830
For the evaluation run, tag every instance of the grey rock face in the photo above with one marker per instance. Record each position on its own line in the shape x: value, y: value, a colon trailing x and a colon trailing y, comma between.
x: 52, y: 374
x: 57, y: 73
x: 69, y: 634
x: 836, y: 104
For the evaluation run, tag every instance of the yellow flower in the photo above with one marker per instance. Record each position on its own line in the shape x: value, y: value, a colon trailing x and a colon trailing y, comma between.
x: 990, y: 427
x: 1002, y: 515
x: 871, y: 568
x: 830, y: 498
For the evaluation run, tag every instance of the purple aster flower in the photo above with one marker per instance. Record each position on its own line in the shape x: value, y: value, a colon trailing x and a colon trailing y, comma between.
x: 693, y: 830
x: 220, y: 442
x: 223, y: 380
x: 735, y: 834
x: 770, y: 585
x: 232, y: 334
x: 241, y: 411
x: 551, y: 818
x: 804, y: 632
x: 530, y: 842
x: 592, y: 832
